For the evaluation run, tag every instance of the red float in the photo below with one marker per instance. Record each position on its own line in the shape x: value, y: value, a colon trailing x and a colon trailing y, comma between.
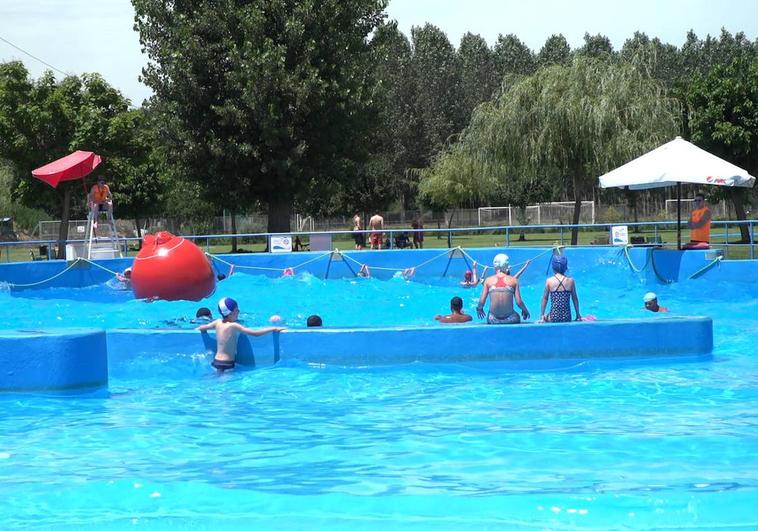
x: 171, y: 268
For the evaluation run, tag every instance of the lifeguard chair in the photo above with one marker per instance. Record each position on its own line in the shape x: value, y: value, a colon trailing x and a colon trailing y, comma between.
x: 102, y: 237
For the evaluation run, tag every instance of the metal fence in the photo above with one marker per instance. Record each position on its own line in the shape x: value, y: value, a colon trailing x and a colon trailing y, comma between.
x: 652, y: 233
x: 558, y: 213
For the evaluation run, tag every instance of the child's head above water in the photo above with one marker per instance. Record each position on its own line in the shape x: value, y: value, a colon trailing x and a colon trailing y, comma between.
x: 227, y: 308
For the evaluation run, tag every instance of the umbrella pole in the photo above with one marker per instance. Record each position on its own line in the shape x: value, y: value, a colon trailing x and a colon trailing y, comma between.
x: 679, y: 216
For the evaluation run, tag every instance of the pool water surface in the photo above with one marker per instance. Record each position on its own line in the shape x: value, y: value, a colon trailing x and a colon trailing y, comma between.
x: 415, y: 446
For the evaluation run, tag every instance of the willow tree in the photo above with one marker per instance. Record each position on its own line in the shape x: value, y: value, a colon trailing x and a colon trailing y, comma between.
x: 567, y: 124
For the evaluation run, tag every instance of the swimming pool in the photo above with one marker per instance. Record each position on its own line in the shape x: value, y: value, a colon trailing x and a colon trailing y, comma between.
x: 412, y: 446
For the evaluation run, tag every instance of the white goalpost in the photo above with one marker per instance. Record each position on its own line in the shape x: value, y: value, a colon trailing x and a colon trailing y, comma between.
x: 557, y: 212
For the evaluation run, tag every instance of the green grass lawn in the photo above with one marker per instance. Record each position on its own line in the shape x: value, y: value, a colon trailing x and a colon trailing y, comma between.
x: 532, y: 238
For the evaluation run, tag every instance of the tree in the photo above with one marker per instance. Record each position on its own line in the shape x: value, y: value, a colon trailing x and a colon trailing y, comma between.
x: 264, y: 96
x: 138, y: 164
x: 477, y: 74
x: 44, y: 120
x: 437, y: 93
x: 660, y: 61
x: 577, y: 121
x: 397, y: 135
x: 513, y: 57
x: 597, y: 46
x: 555, y: 51
x: 723, y: 119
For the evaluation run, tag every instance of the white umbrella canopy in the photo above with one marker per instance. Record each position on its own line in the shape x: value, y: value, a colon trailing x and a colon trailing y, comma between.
x: 676, y: 162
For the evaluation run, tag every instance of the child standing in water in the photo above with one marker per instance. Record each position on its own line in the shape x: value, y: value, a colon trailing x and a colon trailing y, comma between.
x: 228, y: 331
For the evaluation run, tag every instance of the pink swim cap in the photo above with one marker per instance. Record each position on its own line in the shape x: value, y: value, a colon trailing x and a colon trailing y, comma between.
x: 468, y: 275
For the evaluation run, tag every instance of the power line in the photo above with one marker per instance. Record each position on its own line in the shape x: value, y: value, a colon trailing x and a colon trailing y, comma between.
x: 35, y: 57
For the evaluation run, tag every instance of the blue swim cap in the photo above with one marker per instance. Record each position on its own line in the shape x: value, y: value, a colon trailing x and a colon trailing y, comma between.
x: 226, y: 306
x: 560, y: 264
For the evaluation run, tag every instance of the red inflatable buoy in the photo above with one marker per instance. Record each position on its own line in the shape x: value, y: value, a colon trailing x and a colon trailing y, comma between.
x: 171, y: 268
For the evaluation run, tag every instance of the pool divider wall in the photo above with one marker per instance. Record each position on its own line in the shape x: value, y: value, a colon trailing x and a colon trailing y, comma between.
x: 656, y: 264
x: 77, y: 360
x: 538, y: 345
x: 60, y: 360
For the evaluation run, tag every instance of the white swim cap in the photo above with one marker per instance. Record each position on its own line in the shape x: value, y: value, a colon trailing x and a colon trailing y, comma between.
x: 501, y: 261
x: 649, y: 296
x: 226, y: 306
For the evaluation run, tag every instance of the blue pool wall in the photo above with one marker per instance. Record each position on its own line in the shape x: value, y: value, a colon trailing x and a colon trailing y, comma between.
x: 80, y: 360
x: 655, y: 265
x: 42, y: 360
x: 61, y: 360
x: 531, y: 345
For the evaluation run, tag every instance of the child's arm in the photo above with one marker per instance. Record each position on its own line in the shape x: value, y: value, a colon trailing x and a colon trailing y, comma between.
x: 208, y: 326
x: 543, y: 302
x: 575, y: 299
x: 259, y: 331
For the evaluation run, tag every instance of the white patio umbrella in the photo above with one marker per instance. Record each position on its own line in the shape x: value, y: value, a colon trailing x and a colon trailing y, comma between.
x: 674, y: 163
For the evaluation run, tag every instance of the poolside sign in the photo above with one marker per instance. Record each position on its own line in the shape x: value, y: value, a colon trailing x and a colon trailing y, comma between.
x: 281, y: 244
x: 619, y: 235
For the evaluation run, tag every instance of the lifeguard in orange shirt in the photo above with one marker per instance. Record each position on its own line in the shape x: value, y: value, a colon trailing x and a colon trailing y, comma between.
x: 700, y: 225
x: 100, y: 199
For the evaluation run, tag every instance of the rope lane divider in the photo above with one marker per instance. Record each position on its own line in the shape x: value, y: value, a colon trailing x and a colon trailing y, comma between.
x: 706, y: 268
x: 631, y: 264
x: 655, y: 269
x: 98, y: 266
x: 71, y: 266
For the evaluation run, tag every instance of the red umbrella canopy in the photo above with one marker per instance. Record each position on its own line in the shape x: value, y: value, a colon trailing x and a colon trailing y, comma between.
x: 69, y: 168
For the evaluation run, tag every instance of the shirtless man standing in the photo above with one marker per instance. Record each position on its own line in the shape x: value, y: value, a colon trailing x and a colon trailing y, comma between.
x: 376, y: 223
x: 502, y: 290
x: 228, y: 331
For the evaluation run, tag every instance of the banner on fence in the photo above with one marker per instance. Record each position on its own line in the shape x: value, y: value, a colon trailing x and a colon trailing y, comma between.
x: 281, y: 244
x: 619, y: 235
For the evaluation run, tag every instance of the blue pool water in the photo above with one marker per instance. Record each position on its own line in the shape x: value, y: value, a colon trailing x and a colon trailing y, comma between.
x: 418, y: 446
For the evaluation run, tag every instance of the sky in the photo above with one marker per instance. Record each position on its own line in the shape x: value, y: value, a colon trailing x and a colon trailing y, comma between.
x: 79, y: 36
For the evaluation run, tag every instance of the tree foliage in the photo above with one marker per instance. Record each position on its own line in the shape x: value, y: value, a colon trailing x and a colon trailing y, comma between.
x: 577, y: 121
x: 264, y: 96
x: 479, y: 81
x: 555, y: 51
x: 723, y: 119
x: 43, y: 120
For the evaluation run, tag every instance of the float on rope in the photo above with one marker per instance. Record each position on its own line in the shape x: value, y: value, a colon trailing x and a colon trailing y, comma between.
x: 171, y: 268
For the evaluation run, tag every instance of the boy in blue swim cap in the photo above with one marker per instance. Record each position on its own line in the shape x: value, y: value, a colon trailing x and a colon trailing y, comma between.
x: 228, y: 331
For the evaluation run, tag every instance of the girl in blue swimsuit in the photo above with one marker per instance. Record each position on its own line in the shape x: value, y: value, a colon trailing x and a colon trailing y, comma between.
x: 561, y: 290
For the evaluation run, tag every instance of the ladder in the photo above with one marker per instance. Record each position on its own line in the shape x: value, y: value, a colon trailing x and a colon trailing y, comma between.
x: 98, y: 245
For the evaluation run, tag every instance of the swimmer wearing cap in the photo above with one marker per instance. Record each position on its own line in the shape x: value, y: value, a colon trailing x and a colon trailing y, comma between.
x: 503, y: 290
x: 651, y: 303
x: 228, y: 331
x: 470, y: 277
x: 125, y: 278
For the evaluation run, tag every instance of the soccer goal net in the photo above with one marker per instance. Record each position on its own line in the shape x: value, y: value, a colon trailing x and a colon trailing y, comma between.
x: 556, y: 213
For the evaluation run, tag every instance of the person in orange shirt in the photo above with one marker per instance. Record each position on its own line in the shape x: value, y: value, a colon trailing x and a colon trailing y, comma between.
x: 100, y: 199
x: 700, y: 225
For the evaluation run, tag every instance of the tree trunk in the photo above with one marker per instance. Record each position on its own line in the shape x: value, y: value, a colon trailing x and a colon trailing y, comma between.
x: 632, y: 200
x: 736, y: 196
x: 234, y: 232
x: 139, y: 233
x: 450, y: 234
x: 63, y: 229
x: 522, y: 220
x: 577, y: 210
x: 279, y: 213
